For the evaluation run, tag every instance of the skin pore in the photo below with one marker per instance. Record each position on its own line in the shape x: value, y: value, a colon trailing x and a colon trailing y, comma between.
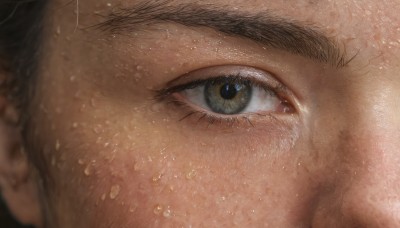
x: 124, y: 143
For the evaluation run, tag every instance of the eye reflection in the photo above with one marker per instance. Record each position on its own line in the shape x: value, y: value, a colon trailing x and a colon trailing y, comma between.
x: 228, y: 97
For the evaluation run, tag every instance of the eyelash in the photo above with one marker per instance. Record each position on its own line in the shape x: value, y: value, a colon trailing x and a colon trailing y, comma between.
x: 213, y: 119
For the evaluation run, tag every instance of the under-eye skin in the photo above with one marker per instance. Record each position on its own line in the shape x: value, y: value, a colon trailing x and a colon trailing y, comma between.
x: 228, y: 94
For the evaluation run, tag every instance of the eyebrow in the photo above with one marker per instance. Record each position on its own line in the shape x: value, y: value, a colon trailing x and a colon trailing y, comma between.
x: 264, y: 28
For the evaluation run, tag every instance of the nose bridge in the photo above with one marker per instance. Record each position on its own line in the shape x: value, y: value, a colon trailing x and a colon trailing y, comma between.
x: 371, y: 131
x: 368, y: 182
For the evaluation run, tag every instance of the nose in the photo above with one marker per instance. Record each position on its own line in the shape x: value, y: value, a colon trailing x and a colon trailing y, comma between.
x: 365, y: 190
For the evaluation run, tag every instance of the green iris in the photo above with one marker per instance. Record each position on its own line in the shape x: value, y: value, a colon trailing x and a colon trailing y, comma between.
x: 227, y: 96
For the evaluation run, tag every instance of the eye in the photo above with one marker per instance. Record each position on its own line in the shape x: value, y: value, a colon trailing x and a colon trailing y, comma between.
x: 231, y: 95
x: 231, y: 91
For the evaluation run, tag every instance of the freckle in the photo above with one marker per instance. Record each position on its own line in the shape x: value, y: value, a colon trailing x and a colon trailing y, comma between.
x: 57, y: 145
x: 192, y: 173
x: 158, y: 209
x: 114, y: 191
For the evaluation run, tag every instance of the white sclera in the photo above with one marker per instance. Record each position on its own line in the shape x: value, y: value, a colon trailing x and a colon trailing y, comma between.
x: 261, y: 100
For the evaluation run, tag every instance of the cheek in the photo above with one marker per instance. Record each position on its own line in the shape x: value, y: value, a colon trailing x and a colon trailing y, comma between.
x: 136, y: 173
x: 138, y: 166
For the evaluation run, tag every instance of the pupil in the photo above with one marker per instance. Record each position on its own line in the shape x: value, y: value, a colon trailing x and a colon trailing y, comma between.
x: 228, y: 91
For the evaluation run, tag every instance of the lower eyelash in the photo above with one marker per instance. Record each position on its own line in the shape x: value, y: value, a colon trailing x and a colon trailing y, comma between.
x: 211, y: 119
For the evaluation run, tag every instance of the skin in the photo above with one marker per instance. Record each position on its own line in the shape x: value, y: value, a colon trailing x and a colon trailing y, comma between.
x: 120, y: 158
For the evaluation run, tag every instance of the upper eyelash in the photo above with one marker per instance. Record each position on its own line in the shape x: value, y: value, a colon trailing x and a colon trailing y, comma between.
x: 276, y: 89
x: 163, y: 93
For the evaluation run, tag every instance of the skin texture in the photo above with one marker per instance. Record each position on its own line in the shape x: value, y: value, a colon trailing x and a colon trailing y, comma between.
x: 118, y: 157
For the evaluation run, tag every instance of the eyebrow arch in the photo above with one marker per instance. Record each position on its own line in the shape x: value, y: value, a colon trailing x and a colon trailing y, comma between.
x: 264, y: 28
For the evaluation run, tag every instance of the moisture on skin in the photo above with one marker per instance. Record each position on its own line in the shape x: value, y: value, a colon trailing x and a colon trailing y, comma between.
x: 118, y: 157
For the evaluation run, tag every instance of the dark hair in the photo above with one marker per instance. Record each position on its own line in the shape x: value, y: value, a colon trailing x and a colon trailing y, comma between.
x: 21, y: 23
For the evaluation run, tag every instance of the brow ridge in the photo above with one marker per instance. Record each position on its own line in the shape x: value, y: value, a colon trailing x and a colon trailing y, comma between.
x: 264, y: 28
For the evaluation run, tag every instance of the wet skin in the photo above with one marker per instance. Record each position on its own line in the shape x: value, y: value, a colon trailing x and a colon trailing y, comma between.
x: 123, y: 152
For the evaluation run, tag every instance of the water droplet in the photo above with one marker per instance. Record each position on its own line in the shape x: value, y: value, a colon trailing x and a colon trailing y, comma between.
x: 138, y: 76
x: 57, y: 145
x: 167, y: 213
x: 92, y: 102
x: 53, y: 161
x: 136, y: 167
x: 109, y: 4
x: 133, y: 208
x: 103, y: 197
x: 139, y: 67
x: 192, y: 173
x: 74, y: 125
x: 158, y: 209
x: 157, y: 177
x: 114, y: 191
x: 58, y: 30
x: 81, y: 162
x: 88, y: 170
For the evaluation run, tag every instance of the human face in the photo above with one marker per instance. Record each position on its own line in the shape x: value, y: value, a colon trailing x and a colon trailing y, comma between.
x: 135, y: 131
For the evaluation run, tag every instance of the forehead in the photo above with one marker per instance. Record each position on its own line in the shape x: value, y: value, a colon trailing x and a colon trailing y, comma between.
x: 367, y: 28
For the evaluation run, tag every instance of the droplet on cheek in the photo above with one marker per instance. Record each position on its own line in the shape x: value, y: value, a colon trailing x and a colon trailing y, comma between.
x: 114, y: 192
x: 57, y: 145
x: 157, y: 177
x: 88, y: 170
x: 167, y: 213
x: 191, y: 174
x: 158, y: 209
x: 138, y: 76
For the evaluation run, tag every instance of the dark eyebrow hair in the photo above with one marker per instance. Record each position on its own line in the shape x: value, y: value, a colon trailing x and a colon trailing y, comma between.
x: 264, y: 28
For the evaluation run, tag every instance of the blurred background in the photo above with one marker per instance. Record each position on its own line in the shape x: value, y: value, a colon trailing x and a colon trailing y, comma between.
x: 6, y: 220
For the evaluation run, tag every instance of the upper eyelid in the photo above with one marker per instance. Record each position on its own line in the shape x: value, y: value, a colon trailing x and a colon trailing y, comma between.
x: 258, y: 77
